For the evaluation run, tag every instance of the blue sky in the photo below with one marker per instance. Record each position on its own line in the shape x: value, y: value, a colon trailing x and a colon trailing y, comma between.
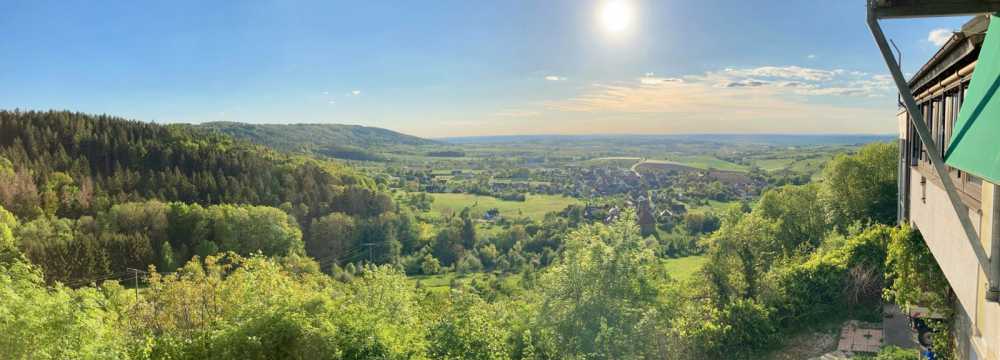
x: 457, y: 68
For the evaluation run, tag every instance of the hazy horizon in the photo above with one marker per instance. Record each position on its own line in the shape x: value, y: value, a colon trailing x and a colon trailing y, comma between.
x: 453, y: 69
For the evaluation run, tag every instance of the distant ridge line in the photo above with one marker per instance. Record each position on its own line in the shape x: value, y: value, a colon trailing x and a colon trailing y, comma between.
x: 773, y: 139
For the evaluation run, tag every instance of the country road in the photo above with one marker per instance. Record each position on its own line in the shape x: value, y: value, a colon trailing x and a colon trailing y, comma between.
x: 635, y: 167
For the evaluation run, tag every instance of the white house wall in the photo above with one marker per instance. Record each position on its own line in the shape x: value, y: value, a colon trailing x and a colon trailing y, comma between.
x: 931, y: 212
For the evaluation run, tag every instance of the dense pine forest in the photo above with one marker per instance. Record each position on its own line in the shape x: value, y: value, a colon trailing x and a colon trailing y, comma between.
x: 124, y: 239
x: 129, y: 193
x: 71, y: 164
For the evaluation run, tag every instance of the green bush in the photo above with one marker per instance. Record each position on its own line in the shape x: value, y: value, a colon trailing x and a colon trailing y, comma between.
x: 471, y: 329
x: 831, y: 282
x: 893, y: 353
x: 807, y: 292
x: 742, y: 329
x: 39, y: 322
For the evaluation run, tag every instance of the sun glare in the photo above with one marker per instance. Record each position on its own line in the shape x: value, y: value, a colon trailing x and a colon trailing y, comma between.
x: 616, y: 16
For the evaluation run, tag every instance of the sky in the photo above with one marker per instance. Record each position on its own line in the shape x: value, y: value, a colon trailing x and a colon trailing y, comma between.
x: 466, y: 68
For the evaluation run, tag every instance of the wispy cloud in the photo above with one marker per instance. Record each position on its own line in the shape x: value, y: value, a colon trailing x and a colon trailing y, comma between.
x: 355, y: 92
x: 811, y: 56
x: 652, y: 79
x: 783, y: 72
x: 746, y: 83
x: 775, y: 99
x: 939, y: 36
x: 795, y: 84
x: 798, y: 80
x: 555, y: 78
x: 770, y: 98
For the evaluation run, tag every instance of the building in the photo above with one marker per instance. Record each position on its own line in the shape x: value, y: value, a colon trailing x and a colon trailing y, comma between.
x: 954, y: 93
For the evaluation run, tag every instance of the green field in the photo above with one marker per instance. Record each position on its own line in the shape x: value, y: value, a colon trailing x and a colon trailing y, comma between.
x: 713, y: 206
x: 623, y: 162
x: 704, y: 162
x: 435, y: 283
x: 439, y: 284
x: 774, y: 164
x: 810, y: 165
x: 535, y: 206
x: 684, y: 268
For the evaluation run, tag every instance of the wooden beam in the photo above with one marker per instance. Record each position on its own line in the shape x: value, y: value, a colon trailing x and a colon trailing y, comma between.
x: 888, y: 9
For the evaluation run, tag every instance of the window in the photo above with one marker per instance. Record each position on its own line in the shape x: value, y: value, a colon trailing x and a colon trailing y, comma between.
x: 925, y: 110
x: 914, y: 144
x: 942, y: 122
x: 960, y: 98
x: 931, y: 120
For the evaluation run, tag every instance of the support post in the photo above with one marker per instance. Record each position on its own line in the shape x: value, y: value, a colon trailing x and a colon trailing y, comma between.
x: 993, y: 276
x: 917, y: 119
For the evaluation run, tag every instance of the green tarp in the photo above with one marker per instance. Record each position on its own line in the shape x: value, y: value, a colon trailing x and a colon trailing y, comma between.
x: 975, y: 141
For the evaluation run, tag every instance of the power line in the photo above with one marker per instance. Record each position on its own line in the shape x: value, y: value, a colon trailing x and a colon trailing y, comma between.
x: 371, y: 254
x: 137, y: 271
x: 81, y: 282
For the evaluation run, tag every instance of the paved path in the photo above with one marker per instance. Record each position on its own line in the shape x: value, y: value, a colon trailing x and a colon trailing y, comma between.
x: 896, y: 328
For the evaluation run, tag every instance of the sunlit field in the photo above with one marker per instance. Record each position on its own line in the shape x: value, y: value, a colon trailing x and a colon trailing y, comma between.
x: 534, y: 206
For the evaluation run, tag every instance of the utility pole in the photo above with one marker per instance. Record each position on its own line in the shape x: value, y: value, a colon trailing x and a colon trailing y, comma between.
x: 135, y: 306
x: 136, y: 284
x: 371, y: 254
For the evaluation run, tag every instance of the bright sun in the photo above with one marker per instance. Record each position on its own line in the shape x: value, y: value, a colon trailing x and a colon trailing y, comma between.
x: 616, y: 16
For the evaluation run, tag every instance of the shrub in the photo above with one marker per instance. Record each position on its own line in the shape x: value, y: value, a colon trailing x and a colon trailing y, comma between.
x: 741, y: 329
x: 893, y: 353
x: 430, y: 265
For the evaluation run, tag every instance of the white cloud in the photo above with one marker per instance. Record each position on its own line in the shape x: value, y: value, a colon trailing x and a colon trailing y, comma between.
x: 811, y: 56
x: 778, y: 99
x: 355, y: 92
x: 331, y: 102
x: 767, y: 98
x: 554, y: 78
x: 745, y: 83
x: 798, y: 80
x: 839, y: 91
x: 794, y: 84
x: 939, y: 36
x: 326, y: 93
x: 651, y: 79
x: 886, y: 78
x: 703, y: 106
x: 783, y: 72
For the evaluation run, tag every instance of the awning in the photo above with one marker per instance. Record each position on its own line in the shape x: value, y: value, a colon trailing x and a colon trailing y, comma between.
x: 975, y: 141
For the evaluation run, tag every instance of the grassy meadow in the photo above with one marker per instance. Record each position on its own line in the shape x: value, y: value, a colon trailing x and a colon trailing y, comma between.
x: 534, y: 206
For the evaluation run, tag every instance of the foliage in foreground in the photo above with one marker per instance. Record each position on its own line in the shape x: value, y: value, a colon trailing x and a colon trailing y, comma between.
x: 607, y: 297
x: 916, y: 279
x: 604, y: 296
x: 894, y: 353
x: 258, y: 307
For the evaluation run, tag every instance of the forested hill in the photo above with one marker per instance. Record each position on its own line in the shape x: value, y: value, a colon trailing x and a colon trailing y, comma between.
x: 352, y: 142
x: 69, y: 164
x: 94, y: 195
